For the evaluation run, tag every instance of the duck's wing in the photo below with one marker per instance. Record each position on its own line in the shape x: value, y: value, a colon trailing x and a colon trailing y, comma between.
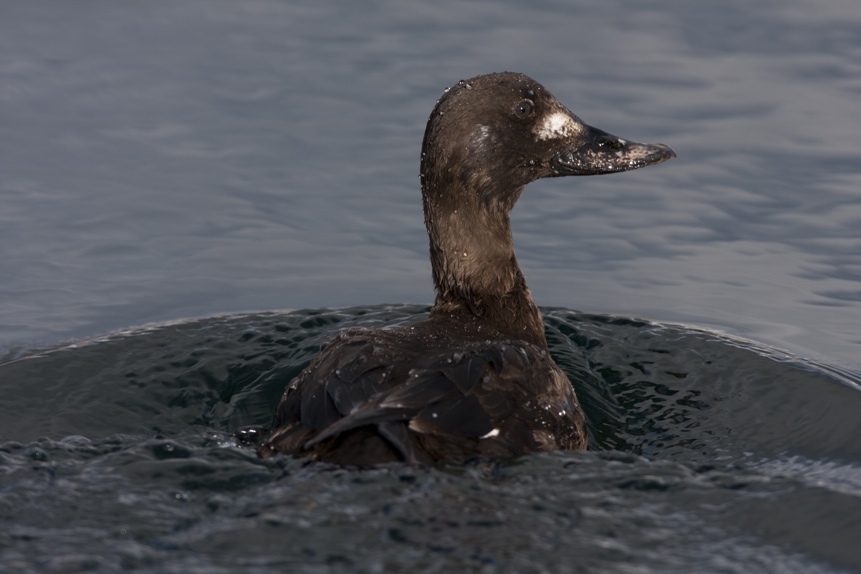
x: 358, y: 382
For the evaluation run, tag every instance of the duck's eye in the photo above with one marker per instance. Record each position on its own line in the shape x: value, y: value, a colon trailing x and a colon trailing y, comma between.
x: 524, y: 109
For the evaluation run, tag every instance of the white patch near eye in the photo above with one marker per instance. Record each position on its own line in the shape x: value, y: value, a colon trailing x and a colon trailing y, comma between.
x: 491, y: 434
x: 556, y: 125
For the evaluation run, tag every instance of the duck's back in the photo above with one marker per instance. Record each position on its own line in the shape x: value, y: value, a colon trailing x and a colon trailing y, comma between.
x: 419, y: 395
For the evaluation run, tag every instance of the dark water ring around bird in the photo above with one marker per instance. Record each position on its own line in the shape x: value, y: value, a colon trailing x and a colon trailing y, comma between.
x: 717, y: 428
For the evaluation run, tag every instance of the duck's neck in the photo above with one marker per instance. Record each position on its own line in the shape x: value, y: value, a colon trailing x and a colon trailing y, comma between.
x: 475, y: 272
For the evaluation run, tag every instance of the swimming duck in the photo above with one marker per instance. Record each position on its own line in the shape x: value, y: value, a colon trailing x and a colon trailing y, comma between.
x: 476, y: 378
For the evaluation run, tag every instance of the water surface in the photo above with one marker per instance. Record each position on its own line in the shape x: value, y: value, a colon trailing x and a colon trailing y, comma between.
x: 706, y: 454
x: 163, y: 161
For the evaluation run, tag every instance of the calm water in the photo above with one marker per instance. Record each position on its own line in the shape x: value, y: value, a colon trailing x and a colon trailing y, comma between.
x: 171, y: 160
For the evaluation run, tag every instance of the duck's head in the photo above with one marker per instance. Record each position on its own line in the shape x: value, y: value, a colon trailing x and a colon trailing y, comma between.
x: 491, y: 135
x: 485, y: 140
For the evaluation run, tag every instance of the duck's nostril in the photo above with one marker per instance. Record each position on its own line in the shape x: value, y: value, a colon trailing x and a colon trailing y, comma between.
x: 613, y: 144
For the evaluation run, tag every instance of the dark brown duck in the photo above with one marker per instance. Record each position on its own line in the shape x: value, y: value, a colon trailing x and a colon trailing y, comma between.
x: 476, y: 378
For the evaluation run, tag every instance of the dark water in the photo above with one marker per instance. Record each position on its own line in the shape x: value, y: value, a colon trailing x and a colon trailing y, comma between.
x: 708, y: 454
x: 164, y: 160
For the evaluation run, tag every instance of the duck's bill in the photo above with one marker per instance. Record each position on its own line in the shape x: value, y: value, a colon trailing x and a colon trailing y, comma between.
x: 599, y: 152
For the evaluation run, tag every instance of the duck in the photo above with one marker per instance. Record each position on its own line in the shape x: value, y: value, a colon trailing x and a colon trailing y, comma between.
x: 475, y: 380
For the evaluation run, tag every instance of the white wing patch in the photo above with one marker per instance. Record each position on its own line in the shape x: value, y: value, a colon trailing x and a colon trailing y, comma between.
x: 491, y: 434
x: 557, y: 125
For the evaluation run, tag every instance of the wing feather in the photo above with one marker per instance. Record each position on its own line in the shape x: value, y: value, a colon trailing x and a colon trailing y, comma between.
x: 359, y: 382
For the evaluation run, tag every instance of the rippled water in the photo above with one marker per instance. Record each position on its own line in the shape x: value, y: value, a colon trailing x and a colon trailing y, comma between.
x: 161, y: 160
x: 707, y: 453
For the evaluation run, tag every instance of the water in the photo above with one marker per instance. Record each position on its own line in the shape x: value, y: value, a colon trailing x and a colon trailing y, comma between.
x: 707, y: 453
x: 166, y: 161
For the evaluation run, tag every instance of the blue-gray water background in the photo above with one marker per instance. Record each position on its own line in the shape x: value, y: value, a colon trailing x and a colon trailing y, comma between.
x: 166, y: 160
x: 161, y: 160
